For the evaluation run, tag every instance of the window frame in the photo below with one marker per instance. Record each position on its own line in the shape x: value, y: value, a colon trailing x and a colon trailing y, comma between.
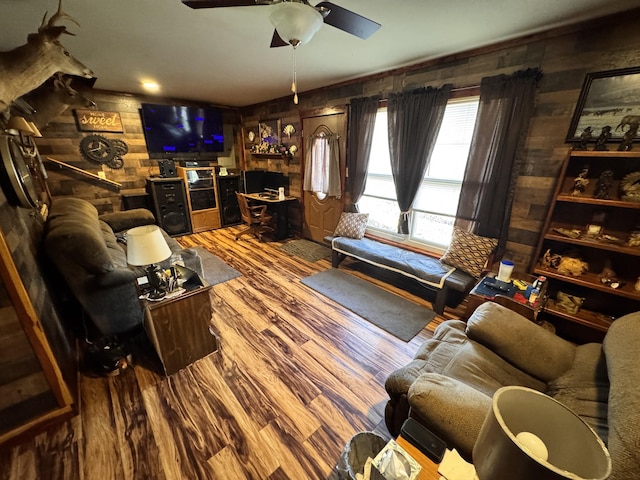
x: 409, y: 240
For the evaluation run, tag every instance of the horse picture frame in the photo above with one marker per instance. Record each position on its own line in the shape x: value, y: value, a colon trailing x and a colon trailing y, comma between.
x: 609, y: 102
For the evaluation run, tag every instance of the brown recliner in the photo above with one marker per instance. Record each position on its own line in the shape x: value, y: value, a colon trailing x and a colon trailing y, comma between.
x: 448, y: 386
x: 256, y: 217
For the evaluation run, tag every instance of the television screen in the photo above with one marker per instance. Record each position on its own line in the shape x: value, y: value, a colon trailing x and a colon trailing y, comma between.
x: 175, y: 129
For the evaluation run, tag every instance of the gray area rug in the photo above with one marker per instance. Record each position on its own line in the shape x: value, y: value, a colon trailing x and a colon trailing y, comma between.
x: 396, y: 315
x: 215, y: 270
x: 306, y: 249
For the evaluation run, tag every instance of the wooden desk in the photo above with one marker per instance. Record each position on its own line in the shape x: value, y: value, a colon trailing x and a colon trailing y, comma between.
x: 279, y: 207
x: 179, y: 328
x: 429, y: 469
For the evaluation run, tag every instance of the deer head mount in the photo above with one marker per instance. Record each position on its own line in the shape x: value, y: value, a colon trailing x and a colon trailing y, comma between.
x: 52, y: 98
x: 28, y: 66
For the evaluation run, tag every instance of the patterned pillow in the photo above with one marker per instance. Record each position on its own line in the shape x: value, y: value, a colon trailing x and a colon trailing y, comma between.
x: 352, y: 225
x: 468, y: 252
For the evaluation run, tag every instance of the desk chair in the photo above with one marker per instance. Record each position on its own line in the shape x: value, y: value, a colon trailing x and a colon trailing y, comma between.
x: 256, y: 218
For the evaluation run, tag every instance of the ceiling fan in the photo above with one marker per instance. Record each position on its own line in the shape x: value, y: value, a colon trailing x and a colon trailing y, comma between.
x: 298, y: 18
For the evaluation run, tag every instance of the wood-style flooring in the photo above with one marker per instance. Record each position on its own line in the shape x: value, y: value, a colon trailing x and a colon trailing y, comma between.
x: 296, y: 376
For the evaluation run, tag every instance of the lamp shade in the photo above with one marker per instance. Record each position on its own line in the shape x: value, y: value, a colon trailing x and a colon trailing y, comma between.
x: 18, y: 125
x: 574, y: 449
x: 146, y: 246
x: 295, y: 22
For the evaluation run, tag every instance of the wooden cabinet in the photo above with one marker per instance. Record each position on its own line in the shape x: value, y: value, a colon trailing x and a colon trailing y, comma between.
x: 179, y: 329
x: 202, y: 197
x: 592, y: 220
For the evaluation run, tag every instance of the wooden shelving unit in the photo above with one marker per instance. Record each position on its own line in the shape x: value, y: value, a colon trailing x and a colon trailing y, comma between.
x: 566, y: 233
x: 202, y: 197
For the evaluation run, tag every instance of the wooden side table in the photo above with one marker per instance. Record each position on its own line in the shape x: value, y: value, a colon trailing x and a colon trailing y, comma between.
x: 179, y: 328
x: 429, y: 468
x: 480, y: 294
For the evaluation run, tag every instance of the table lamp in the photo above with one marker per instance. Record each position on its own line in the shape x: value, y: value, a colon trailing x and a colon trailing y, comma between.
x: 528, y: 435
x: 147, y: 246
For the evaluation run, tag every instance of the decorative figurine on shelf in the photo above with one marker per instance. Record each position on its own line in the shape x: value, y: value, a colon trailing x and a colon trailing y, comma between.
x: 627, y: 139
x: 633, y: 121
x: 634, y: 238
x: 630, y: 187
x: 601, y: 142
x: 581, y: 181
x: 585, y: 137
x: 607, y: 274
x: 603, y: 187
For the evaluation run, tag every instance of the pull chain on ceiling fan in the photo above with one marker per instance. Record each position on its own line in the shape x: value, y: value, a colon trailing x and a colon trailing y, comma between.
x: 296, y: 22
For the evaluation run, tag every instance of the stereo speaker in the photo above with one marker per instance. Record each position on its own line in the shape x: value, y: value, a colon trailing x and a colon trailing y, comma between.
x: 167, y: 168
x: 229, y: 208
x: 170, y: 205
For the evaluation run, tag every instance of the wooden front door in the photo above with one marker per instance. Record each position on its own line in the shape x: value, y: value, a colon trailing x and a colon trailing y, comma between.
x: 321, y: 214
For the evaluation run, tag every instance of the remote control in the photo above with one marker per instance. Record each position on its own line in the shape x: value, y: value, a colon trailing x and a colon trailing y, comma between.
x: 423, y: 439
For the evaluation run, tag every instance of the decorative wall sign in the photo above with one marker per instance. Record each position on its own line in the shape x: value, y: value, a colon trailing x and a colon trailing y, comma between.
x: 608, y: 99
x: 98, y: 121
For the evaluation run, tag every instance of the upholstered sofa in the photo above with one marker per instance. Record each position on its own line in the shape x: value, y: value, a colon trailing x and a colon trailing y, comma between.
x: 449, y: 384
x: 89, y: 251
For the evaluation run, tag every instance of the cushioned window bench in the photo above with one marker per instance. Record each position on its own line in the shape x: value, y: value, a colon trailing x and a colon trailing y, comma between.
x: 429, y: 271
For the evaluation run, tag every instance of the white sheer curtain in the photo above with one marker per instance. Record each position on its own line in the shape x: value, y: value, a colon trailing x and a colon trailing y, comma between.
x: 322, y: 165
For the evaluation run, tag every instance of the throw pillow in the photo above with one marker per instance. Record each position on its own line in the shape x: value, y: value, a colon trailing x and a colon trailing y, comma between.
x: 352, y: 225
x: 469, y: 252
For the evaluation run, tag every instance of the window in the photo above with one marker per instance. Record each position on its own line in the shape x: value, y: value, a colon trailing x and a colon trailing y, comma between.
x: 436, y: 202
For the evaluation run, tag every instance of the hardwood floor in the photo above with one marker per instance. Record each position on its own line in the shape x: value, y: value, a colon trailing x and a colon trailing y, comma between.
x: 296, y: 376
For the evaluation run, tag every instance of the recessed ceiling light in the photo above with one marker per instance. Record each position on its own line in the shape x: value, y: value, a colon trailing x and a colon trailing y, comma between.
x: 151, y: 86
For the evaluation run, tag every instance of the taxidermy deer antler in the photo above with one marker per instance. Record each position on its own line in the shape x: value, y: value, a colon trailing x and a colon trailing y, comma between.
x: 28, y: 66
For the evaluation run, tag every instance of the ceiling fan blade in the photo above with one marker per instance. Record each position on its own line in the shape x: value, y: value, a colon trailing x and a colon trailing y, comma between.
x: 220, y: 3
x: 349, y: 21
x: 277, y: 41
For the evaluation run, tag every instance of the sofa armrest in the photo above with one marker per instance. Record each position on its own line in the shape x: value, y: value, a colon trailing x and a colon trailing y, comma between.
x: 622, y: 349
x: 449, y: 408
x: 124, y: 220
x: 521, y: 342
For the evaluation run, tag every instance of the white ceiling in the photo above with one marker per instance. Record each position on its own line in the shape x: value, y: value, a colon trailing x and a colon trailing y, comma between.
x: 222, y: 55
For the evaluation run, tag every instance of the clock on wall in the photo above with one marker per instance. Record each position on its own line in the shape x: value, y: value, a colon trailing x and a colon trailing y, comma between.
x: 16, y: 174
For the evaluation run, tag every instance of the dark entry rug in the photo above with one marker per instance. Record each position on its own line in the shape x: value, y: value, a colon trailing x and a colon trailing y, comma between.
x: 215, y: 270
x: 396, y: 315
x: 306, y: 249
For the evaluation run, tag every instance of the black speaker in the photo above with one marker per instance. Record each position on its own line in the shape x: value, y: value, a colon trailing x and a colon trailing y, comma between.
x: 229, y: 209
x: 170, y: 204
x: 167, y: 168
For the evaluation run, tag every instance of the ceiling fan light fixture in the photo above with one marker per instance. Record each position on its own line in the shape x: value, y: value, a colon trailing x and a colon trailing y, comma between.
x: 295, y: 22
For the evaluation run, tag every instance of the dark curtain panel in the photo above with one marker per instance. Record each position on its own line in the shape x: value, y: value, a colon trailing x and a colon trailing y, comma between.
x: 506, y: 106
x: 362, y: 119
x: 414, y: 122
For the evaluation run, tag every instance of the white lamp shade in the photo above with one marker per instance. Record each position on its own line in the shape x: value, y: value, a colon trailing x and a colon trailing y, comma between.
x: 295, y: 21
x: 575, y: 451
x: 146, y: 246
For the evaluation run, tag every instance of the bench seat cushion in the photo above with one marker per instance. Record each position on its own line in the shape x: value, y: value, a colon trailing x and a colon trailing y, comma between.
x: 420, y: 267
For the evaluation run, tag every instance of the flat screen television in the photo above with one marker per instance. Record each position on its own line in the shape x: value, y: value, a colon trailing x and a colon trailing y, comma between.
x: 172, y: 130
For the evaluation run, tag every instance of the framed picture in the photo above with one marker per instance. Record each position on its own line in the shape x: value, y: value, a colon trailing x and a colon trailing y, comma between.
x: 269, y: 131
x: 608, y: 99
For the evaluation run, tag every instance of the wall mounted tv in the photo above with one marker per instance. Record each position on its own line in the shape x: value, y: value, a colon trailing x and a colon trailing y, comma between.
x: 181, y: 131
